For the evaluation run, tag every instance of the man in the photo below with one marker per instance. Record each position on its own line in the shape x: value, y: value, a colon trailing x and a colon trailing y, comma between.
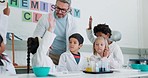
x: 4, y: 22
x: 65, y: 26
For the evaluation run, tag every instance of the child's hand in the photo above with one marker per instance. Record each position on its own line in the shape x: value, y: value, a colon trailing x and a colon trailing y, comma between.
x: 106, y: 53
x: 90, y: 23
x: 51, y: 21
x: 102, y: 54
x: 6, y: 11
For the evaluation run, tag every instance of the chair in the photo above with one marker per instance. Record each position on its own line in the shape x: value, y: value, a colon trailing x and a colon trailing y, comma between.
x: 11, y: 36
x: 13, y: 56
x: 32, y: 45
x: 116, y: 36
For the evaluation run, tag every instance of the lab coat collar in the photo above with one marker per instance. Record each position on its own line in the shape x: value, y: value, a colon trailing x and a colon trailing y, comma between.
x: 72, y: 57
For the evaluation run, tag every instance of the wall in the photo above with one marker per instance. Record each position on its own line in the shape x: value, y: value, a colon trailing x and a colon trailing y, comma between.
x: 16, y: 25
x: 121, y: 15
x: 145, y: 23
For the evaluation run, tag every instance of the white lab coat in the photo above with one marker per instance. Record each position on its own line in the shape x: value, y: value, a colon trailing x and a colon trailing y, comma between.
x: 3, y: 31
x: 43, y: 25
x: 116, y: 56
x: 109, y: 60
x: 95, y: 58
x: 9, y: 66
x: 40, y: 58
x: 68, y: 62
x: 3, y: 26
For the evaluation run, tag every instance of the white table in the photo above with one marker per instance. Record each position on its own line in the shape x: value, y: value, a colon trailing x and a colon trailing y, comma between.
x: 84, y: 75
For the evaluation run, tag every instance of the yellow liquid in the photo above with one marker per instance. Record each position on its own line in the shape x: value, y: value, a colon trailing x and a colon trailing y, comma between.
x: 89, y: 69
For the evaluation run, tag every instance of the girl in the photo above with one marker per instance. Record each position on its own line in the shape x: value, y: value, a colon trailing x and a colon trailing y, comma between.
x: 40, y: 58
x: 103, y: 30
x: 4, y: 60
x: 101, y: 50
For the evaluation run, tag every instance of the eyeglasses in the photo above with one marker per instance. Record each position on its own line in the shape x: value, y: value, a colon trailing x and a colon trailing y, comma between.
x: 61, y: 9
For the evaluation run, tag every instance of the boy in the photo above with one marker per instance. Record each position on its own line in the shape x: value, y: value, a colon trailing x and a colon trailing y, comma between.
x: 73, y: 60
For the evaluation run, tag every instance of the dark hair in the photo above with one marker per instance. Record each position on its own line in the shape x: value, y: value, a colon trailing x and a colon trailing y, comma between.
x: 1, y: 39
x: 102, y: 28
x: 32, y: 44
x: 78, y: 37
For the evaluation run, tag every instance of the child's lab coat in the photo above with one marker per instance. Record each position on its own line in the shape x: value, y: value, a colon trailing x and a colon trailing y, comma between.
x: 68, y: 62
x: 3, y: 26
x: 40, y: 58
x: 8, y: 64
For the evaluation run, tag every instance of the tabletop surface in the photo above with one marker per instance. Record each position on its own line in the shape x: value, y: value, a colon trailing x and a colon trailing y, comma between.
x: 138, y: 59
x: 115, y: 74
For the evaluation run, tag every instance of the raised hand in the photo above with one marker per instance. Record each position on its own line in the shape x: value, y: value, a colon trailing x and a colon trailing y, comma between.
x: 106, y: 52
x: 6, y: 11
x: 51, y: 21
x: 90, y: 23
